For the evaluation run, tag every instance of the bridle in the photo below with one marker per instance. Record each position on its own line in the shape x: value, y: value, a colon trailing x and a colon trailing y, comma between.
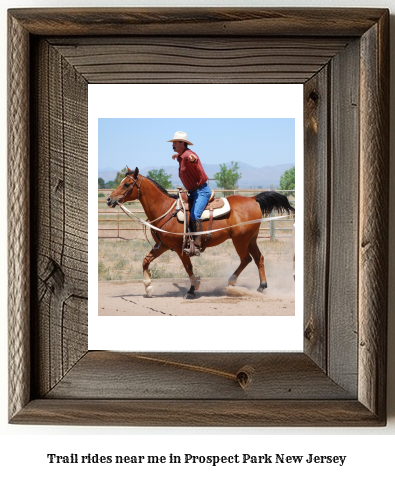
x: 130, y: 188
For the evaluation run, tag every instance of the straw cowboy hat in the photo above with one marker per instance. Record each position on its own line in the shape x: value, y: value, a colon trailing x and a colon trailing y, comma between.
x: 180, y: 136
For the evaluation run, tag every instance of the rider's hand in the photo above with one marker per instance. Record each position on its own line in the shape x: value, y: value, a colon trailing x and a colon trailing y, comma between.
x: 175, y: 156
x: 192, y: 158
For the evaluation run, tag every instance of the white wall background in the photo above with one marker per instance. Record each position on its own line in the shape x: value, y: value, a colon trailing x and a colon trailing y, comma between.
x: 24, y: 449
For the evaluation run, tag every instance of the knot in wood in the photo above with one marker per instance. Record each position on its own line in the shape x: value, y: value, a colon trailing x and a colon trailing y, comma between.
x: 313, y: 96
x: 244, y: 376
x: 308, y: 332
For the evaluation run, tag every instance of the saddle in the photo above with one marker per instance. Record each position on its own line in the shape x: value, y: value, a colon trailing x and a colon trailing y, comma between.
x: 215, y: 202
x: 216, y: 207
x: 219, y: 206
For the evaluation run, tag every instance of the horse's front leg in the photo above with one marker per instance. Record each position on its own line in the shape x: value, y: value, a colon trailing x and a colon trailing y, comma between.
x: 153, y: 254
x: 195, y: 281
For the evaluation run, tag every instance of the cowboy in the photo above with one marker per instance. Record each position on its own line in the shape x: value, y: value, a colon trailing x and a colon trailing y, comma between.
x: 194, y: 179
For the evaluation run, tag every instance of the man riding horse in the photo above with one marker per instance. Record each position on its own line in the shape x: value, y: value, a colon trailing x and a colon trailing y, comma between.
x: 194, y: 179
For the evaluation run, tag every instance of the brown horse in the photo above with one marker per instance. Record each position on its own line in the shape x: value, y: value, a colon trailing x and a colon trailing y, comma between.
x: 156, y: 202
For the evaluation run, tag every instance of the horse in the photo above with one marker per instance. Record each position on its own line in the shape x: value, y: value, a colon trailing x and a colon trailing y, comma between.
x: 157, y: 204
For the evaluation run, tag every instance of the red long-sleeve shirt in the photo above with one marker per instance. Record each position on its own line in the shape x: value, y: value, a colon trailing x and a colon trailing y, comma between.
x: 192, y: 175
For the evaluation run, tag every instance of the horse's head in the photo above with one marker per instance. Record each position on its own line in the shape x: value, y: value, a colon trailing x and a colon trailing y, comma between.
x: 128, y: 190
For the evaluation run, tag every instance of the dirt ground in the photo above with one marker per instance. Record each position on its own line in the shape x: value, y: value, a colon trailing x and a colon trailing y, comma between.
x: 214, y: 298
x: 121, y: 291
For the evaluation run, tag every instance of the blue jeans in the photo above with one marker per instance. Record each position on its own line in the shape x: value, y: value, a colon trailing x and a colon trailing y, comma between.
x: 199, y: 200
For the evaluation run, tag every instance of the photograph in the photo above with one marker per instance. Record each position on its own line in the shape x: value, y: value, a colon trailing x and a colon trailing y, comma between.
x: 196, y: 216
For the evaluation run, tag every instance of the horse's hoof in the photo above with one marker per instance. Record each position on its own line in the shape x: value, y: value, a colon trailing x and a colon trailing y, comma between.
x: 262, y: 287
x: 232, y: 280
x: 150, y: 291
x: 189, y: 296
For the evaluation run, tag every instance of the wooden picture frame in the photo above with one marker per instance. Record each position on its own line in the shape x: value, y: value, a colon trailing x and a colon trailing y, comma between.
x: 342, y: 58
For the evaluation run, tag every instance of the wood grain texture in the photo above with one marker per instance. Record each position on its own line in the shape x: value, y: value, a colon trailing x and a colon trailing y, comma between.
x: 316, y: 214
x: 61, y: 199
x: 344, y: 216
x: 374, y: 207
x: 202, y: 413
x: 284, y: 376
x: 18, y: 218
x: 213, y: 60
x: 198, y: 21
x: 317, y: 387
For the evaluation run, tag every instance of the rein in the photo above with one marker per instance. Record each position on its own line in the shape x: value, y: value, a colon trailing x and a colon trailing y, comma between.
x: 163, y: 215
x: 154, y: 220
x: 145, y: 223
x: 130, y: 188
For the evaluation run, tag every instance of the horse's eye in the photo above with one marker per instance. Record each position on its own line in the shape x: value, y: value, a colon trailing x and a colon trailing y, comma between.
x: 126, y: 185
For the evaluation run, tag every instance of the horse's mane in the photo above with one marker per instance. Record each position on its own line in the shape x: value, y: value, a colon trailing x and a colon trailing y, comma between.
x: 161, y: 188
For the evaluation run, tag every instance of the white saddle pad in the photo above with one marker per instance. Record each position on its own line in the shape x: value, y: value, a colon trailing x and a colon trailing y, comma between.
x: 221, y: 211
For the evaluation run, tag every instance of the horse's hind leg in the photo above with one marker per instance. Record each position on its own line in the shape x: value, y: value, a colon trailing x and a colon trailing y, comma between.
x: 153, y: 254
x: 245, y: 259
x: 259, y: 261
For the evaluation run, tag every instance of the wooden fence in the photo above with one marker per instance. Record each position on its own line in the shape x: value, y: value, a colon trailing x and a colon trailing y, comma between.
x: 117, y: 218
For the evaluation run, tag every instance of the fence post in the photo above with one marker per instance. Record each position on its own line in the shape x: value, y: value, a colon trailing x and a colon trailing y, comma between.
x: 272, y: 228
x: 118, y: 223
x: 272, y: 223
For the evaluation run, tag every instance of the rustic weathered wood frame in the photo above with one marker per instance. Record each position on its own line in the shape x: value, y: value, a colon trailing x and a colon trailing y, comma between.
x: 341, y: 56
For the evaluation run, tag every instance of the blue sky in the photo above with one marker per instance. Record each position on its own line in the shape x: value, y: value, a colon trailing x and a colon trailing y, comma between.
x: 143, y: 142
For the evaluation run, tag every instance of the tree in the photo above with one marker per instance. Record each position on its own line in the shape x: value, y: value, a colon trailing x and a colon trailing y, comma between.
x: 287, y: 181
x: 227, y: 178
x: 120, y: 175
x: 110, y: 185
x: 160, y: 177
x: 101, y: 183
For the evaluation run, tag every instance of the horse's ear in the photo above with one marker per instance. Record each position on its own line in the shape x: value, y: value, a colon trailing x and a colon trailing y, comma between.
x: 129, y: 170
x: 136, y: 173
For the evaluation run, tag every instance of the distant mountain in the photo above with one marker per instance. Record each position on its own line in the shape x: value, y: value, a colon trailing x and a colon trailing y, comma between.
x: 251, y: 176
x: 108, y: 174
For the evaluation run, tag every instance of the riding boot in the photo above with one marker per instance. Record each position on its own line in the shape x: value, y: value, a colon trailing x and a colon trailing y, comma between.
x: 195, y: 250
x: 198, y: 239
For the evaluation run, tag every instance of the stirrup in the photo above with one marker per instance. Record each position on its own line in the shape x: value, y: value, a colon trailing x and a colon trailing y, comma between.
x: 188, y: 252
x: 192, y: 250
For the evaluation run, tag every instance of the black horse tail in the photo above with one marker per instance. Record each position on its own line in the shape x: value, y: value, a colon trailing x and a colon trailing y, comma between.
x: 273, y: 201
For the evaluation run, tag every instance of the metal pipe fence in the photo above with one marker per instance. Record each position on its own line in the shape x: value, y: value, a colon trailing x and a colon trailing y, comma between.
x: 118, y: 220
